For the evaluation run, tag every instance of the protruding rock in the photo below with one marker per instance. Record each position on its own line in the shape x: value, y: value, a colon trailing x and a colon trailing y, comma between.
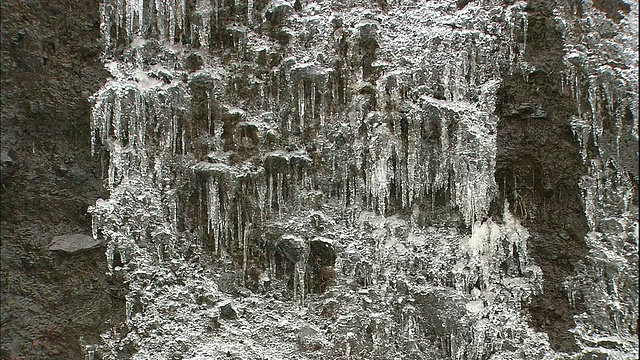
x: 278, y: 13
x: 309, y: 338
x: 322, y: 252
x: 78, y: 175
x: 291, y: 248
x: 194, y: 62
x: 227, y: 311
x: 73, y: 243
x: 442, y: 309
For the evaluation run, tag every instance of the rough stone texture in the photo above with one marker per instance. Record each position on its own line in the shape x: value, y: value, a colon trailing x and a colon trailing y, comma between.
x: 352, y: 179
x: 50, y: 65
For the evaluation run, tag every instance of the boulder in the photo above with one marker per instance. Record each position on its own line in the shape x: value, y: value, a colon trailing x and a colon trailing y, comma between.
x: 323, y: 250
x: 72, y: 243
x: 227, y: 311
x: 309, y: 338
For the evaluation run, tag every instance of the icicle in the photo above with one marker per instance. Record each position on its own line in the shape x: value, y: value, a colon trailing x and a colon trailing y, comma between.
x: 313, y: 100
x: 91, y: 351
x: 226, y: 233
x: 128, y: 310
x: 279, y: 193
x: 299, y: 283
x: 94, y: 226
x: 245, y: 249
x: 172, y: 22
x: 217, y: 7
x: 301, y: 103
x: 110, y: 256
x: 240, y: 237
x: 270, y: 191
x: 184, y: 142
x: 214, y: 211
x: 209, y: 96
x: 295, y: 283
x: 344, y: 189
x: 174, y: 210
x: 323, y: 109
x: 205, y: 26
x: 525, y: 21
x: 173, y: 134
x: 446, y: 77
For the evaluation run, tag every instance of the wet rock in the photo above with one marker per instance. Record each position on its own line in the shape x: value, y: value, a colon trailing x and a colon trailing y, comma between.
x: 73, y: 243
x: 322, y: 252
x: 278, y: 14
x: 441, y: 309
x: 7, y: 164
x: 322, y: 257
x: 291, y: 248
x: 194, y: 62
x: 214, y: 324
x: 528, y: 111
x: 5, y: 159
x: 78, y: 175
x: 228, y: 312
x: 595, y: 355
x: 318, y: 221
x: 309, y: 338
x: 279, y: 162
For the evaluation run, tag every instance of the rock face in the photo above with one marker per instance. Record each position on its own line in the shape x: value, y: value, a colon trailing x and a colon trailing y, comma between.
x: 50, y: 63
x: 369, y: 180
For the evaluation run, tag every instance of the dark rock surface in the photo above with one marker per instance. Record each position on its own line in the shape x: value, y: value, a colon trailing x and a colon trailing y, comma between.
x: 50, y: 64
x: 539, y: 168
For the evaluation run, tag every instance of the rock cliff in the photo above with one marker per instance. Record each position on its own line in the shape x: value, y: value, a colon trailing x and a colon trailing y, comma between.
x: 361, y: 180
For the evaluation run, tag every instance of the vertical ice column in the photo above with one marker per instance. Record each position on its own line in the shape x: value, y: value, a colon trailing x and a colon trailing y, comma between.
x: 213, y: 208
x: 525, y: 25
x: 301, y: 104
x: 299, y: 291
x: 245, y: 249
x: 203, y: 9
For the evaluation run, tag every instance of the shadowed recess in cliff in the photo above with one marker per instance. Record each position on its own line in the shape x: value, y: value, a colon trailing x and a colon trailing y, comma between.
x: 538, y: 171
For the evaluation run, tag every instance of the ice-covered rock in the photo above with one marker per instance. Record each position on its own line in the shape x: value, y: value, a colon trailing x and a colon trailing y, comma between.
x: 341, y: 156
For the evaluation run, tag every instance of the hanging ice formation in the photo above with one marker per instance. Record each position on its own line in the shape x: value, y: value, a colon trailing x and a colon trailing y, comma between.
x: 601, y: 74
x: 420, y: 135
x: 463, y: 131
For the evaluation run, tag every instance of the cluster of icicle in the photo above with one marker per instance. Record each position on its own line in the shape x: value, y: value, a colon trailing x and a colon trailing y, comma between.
x: 461, y: 164
x: 139, y: 125
x: 139, y: 122
x: 167, y: 20
x: 127, y: 19
x: 138, y: 212
x: 469, y: 269
x: 601, y: 74
x: 608, y: 94
x: 460, y: 161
